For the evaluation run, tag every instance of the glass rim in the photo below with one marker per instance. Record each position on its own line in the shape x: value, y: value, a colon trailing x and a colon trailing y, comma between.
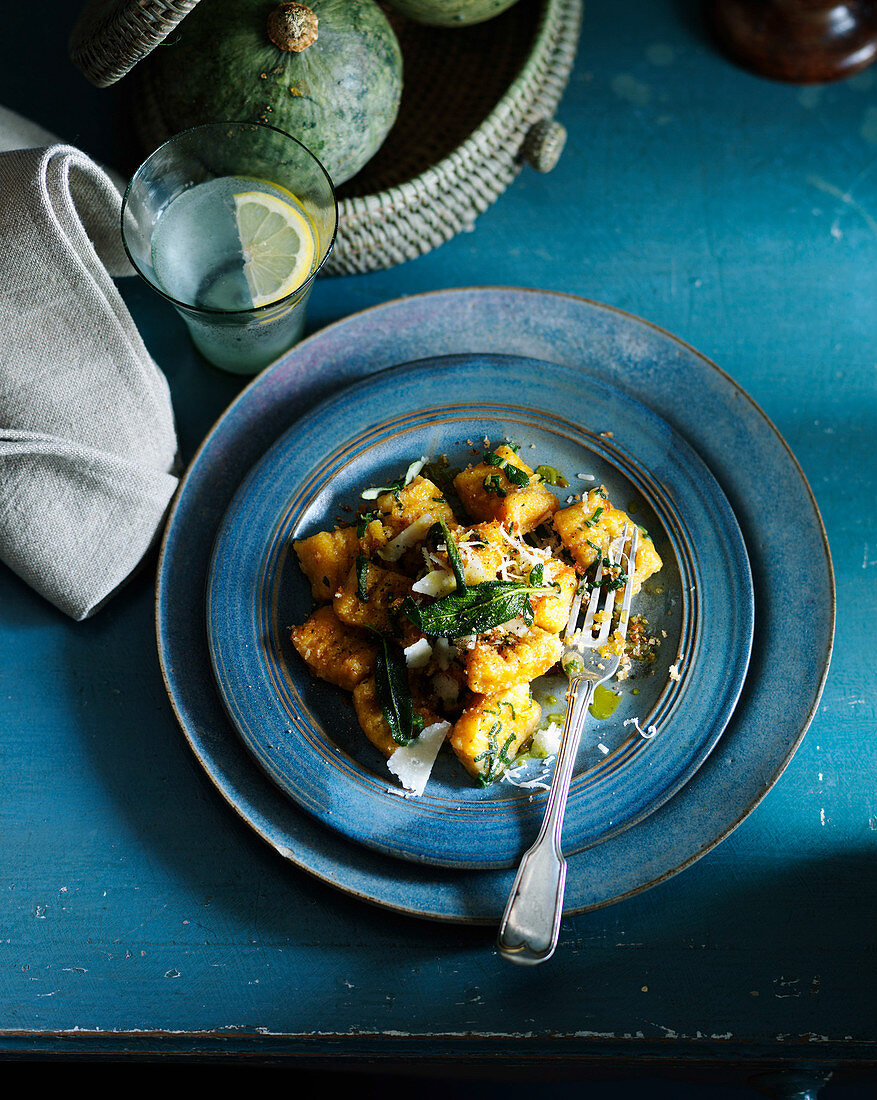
x: 267, y: 306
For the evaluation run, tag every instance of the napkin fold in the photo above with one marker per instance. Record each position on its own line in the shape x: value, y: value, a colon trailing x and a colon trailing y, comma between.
x: 88, y: 445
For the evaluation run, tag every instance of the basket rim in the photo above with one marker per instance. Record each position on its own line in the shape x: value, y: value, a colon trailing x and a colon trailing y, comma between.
x: 565, y: 13
x: 119, y: 38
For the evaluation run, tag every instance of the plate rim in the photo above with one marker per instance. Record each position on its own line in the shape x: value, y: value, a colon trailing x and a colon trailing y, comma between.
x: 553, y: 302
x: 248, y: 690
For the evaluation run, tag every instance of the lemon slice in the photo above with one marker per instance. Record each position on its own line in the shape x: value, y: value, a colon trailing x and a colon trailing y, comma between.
x: 277, y: 243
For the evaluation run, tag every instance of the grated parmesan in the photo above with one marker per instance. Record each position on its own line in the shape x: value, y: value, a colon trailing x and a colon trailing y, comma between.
x: 539, y: 781
x: 546, y: 741
x: 646, y: 733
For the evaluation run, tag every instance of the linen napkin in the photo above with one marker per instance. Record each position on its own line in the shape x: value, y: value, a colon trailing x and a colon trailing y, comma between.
x: 88, y: 446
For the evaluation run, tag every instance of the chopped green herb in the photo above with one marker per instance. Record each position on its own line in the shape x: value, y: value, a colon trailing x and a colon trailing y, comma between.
x: 364, y: 520
x: 608, y: 582
x: 592, y: 522
x: 516, y: 475
x: 495, y: 754
x: 394, y: 487
x: 442, y: 474
x: 494, y: 485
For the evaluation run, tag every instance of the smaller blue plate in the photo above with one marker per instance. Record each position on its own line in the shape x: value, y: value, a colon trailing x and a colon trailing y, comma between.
x: 304, y: 733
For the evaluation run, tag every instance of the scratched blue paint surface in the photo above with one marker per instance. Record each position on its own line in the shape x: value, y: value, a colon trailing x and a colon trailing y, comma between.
x: 742, y: 216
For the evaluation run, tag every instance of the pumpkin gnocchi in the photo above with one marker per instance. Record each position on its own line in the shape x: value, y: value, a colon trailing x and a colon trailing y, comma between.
x: 448, y: 597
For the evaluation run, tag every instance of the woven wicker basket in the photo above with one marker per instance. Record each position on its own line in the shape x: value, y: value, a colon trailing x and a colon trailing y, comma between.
x: 465, y: 128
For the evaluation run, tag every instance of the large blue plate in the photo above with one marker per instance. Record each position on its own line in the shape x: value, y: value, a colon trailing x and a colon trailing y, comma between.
x: 791, y: 569
x: 304, y: 733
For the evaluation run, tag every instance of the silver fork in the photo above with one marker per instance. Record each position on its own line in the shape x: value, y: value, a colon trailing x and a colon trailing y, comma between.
x: 530, y: 925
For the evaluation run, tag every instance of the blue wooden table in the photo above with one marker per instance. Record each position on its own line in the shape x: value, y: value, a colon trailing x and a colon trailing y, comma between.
x: 143, y: 918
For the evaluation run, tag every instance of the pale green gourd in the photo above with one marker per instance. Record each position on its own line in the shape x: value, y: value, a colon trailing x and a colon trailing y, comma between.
x: 329, y: 73
x: 450, y: 13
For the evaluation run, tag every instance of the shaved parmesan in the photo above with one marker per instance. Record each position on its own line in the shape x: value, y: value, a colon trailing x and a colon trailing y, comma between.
x: 413, y: 534
x: 446, y: 688
x: 444, y: 652
x: 438, y: 582
x: 474, y: 569
x: 410, y: 474
x: 532, y: 555
x: 412, y: 763
x: 418, y: 654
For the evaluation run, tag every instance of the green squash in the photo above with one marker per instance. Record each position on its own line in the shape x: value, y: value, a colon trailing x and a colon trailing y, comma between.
x: 330, y: 74
x: 450, y: 13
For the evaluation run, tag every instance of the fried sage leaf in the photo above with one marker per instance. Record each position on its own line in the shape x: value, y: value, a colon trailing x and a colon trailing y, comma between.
x: 475, y: 610
x: 394, y: 693
x: 454, y: 558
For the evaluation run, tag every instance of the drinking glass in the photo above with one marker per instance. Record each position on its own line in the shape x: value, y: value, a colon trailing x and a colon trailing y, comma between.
x: 193, y: 257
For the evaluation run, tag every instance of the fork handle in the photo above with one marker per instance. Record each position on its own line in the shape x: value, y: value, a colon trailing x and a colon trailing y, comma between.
x: 530, y: 926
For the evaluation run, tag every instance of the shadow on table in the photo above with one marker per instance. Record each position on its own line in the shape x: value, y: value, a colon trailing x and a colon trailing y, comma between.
x: 382, y: 1086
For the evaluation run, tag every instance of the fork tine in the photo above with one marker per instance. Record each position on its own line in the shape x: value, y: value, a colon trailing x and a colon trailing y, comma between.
x: 628, y: 587
x: 591, y: 610
x: 611, y: 556
x: 615, y: 556
x: 575, y: 607
x: 605, y: 623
